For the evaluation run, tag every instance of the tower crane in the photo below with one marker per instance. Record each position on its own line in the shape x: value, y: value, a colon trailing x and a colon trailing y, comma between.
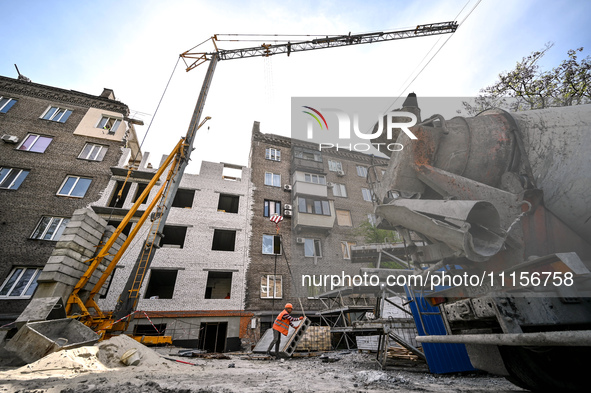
x: 119, y: 319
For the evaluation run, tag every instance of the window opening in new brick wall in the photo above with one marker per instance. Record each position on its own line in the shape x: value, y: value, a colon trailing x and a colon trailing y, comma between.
x: 119, y: 202
x: 223, y: 240
x: 138, y: 192
x: 183, y: 198
x: 173, y: 236
x: 161, y: 284
x: 219, y: 285
x: 228, y: 203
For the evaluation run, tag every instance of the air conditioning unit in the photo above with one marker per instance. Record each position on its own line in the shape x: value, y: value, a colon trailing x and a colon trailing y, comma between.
x: 287, y: 207
x: 287, y: 213
x: 9, y: 138
x: 287, y: 187
x: 300, y: 240
x: 341, y: 173
x: 330, y: 185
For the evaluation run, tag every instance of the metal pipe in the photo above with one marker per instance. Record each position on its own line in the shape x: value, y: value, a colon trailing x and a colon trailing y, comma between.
x: 575, y: 338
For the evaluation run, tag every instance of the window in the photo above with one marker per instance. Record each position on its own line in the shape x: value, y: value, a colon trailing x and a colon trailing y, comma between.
x: 271, y: 245
x: 93, y: 152
x: 50, y: 228
x: 362, y: 171
x: 219, y: 285
x: 161, y: 284
x: 57, y: 114
x: 11, y: 178
x: 313, y: 206
x: 117, y: 201
x: 74, y: 186
x: 272, y: 179
x: 312, y: 178
x: 273, y: 154
x: 21, y: 283
x: 367, y: 194
x: 344, y: 218
x: 310, y: 155
x: 334, y: 166
x: 228, y: 203
x: 173, y: 236
x: 152, y: 329
x: 339, y: 190
x: 223, y: 240
x: 183, y: 198
x: 312, y: 248
x: 6, y: 103
x: 35, y: 143
x: 109, y: 123
x: 141, y: 187
x: 271, y: 207
x: 346, y: 248
x: 271, y: 287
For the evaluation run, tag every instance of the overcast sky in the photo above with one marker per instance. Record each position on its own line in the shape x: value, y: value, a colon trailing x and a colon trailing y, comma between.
x: 133, y: 46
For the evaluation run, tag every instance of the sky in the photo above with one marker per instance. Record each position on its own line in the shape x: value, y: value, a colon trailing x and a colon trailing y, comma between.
x: 133, y: 47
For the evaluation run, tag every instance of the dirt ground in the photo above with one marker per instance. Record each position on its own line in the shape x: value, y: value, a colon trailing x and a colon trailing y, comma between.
x: 98, y: 370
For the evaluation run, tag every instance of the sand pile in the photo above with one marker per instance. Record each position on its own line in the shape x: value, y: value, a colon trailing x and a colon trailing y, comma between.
x: 111, y: 350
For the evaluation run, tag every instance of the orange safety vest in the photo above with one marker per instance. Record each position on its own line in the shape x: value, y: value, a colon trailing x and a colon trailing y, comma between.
x: 280, y: 324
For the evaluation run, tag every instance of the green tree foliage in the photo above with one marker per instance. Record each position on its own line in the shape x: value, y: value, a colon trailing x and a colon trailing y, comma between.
x: 371, y: 235
x: 528, y: 87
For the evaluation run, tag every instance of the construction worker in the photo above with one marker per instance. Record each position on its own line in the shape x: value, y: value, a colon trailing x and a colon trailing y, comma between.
x: 281, y: 326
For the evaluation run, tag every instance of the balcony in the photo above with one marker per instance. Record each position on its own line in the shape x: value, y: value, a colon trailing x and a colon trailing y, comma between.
x: 301, y: 187
x: 314, y: 222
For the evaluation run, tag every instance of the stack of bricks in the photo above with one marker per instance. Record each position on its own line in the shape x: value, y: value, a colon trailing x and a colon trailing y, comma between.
x: 81, y: 240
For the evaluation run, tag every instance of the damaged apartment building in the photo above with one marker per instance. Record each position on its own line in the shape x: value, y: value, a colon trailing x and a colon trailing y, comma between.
x: 56, y: 151
x: 194, y: 288
x: 324, y: 197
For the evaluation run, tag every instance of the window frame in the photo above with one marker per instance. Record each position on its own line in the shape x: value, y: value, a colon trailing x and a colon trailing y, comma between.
x: 78, y: 178
x: 272, y: 154
x: 309, y: 178
x: 346, y: 249
x: 15, y: 180
x: 361, y: 171
x: 342, y: 190
x: 367, y: 191
x: 8, y: 104
x: 273, y: 178
x: 111, y: 130
x: 31, y: 282
x: 267, y: 203
x: 100, y: 154
x: 56, y: 115
x: 273, y: 237
x: 274, y: 277
x: 316, y: 247
x: 325, y: 209
x: 335, y: 166
x: 38, y: 137
x: 63, y: 221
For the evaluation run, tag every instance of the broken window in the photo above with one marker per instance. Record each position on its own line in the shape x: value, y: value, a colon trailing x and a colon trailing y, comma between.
x: 11, y: 178
x: 271, y: 244
x: 219, y: 285
x: 312, y: 248
x: 35, y: 143
x: 173, y: 236
x: 344, y: 218
x: 183, y: 198
x: 228, y: 203
x: 110, y: 124
x: 118, y: 202
x: 50, y: 228
x: 138, y: 192
x: 271, y: 287
x: 161, y: 284
x: 57, y: 114
x: 223, y: 240
x: 346, y: 248
x: 21, y: 283
x: 271, y: 207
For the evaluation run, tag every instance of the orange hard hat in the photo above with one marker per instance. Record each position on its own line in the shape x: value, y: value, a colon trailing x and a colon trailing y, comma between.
x: 289, y: 305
